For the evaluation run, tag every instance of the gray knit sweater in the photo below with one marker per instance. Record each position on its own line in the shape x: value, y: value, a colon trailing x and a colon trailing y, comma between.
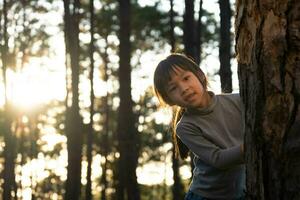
x: 214, y: 135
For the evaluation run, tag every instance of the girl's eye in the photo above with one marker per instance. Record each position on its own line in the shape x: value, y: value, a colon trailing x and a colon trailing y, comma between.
x: 186, y: 78
x: 171, y: 89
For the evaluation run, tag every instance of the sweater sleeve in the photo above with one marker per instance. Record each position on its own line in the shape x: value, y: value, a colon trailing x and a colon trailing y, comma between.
x: 207, y: 151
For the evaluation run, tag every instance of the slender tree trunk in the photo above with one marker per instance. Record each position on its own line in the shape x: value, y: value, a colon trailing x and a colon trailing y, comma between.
x: 67, y: 51
x: 189, y: 29
x: 188, y: 41
x: 9, y: 155
x: 126, y: 130
x: 225, y: 46
x: 198, y: 36
x: 105, y: 144
x: 104, y: 179
x: 177, y: 188
x: 33, y: 152
x: 268, y: 46
x: 88, y: 190
x: 73, y: 119
x: 24, y: 40
x: 172, y: 26
x: 9, y: 152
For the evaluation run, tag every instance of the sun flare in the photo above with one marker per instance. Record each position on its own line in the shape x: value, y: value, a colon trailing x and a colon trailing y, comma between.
x: 34, y: 85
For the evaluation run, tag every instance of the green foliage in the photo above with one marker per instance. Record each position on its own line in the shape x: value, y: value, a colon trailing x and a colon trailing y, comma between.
x: 50, y: 186
x: 211, y: 30
x: 149, y: 26
x: 107, y: 21
x: 28, y: 36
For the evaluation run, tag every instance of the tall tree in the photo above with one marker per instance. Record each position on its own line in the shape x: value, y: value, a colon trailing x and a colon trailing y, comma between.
x: 105, y: 144
x: 177, y: 188
x: 225, y: 46
x: 73, y: 120
x: 198, y: 34
x: 267, y: 46
x: 189, y: 41
x: 172, y: 26
x: 88, y: 189
x: 104, y: 27
x: 188, y: 29
x: 9, y: 138
x: 126, y: 131
x: 193, y: 30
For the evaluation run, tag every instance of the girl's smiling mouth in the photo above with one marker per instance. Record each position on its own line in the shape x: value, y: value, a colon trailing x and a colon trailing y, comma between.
x: 189, y: 97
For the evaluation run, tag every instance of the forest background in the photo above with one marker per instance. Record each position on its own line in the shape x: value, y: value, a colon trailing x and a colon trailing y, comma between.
x: 78, y: 119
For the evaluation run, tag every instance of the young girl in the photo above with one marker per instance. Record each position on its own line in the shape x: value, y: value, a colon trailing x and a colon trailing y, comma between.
x: 209, y: 125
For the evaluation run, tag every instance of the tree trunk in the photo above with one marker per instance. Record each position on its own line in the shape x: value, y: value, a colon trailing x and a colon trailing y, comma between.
x: 189, y: 29
x: 267, y: 46
x: 188, y: 41
x: 198, y: 35
x: 126, y: 130
x: 9, y: 152
x: 225, y: 46
x: 73, y: 119
x: 105, y: 142
x: 9, y: 155
x: 177, y: 188
x: 172, y: 26
x: 88, y: 189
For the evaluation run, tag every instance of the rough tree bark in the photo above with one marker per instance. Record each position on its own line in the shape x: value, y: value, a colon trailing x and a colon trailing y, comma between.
x: 267, y: 46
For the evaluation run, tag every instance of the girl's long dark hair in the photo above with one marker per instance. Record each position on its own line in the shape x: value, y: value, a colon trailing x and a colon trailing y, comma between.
x: 180, y: 148
x: 162, y: 76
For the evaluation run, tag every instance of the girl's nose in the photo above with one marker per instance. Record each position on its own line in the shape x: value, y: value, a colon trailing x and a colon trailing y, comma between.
x: 184, y: 88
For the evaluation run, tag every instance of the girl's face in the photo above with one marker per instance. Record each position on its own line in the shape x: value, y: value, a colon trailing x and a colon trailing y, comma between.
x: 185, y: 90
